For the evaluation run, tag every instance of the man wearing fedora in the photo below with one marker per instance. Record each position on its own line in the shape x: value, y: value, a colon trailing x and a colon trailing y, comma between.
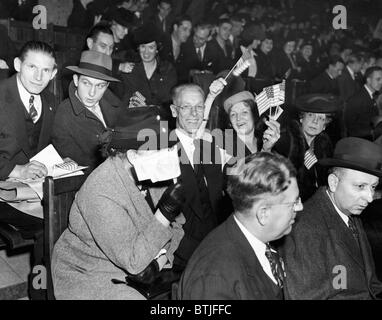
x: 327, y: 255
x: 82, y: 117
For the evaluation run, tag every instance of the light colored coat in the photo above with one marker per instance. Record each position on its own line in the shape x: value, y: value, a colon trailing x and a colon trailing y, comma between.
x: 111, y: 230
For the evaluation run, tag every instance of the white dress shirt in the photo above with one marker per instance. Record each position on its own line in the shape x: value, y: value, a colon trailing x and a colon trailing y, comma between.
x: 343, y: 216
x: 25, y: 96
x: 188, y: 145
x: 259, y: 248
x: 369, y: 91
x: 351, y: 72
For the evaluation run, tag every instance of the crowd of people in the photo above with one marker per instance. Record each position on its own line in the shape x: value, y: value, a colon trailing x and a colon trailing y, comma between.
x: 267, y: 212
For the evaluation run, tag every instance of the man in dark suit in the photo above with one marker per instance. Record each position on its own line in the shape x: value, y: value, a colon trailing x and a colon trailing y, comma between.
x: 235, y: 261
x: 349, y: 81
x: 222, y: 48
x: 326, y: 82
x: 161, y: 20
x: 327, y: 255
x: 171, y: 44
x: 362, y: 107
x: 201, y: 163
x: 84, y: 116
x: 26, y: 118
x: 196, y: 55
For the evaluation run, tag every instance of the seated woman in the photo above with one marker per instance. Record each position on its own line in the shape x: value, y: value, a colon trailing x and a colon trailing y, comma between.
x: 243, y: 118
x: 118, y: 227
x: 305, y: 142
x: 151, y: 80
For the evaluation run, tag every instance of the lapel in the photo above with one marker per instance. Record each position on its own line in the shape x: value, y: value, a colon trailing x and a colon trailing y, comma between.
x: 190, y: 183
x: 47, y: 120
x: 248, y: 256
x: 338, y: 230
x: 15, y: 110
x: 367, y: 256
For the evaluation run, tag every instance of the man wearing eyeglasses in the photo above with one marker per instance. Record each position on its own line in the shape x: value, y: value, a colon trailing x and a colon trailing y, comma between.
x: 327, y: 255
x: 201, y: 164
x: 236, y: 261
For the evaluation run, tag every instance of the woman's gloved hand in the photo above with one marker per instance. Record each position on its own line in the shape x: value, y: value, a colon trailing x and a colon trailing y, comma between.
x: 171, y: 202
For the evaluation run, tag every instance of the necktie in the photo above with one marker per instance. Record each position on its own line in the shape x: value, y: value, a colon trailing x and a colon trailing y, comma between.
x: 199, y: 53
x: 277, y: 265
x: 32, y: 110
x: 200, y: 178
x: 353, y: 229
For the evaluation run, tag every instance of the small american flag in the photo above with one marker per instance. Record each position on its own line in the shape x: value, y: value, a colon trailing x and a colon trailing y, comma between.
x: 279, y: 92
x: 270, y: 95
x: 262, y: 102
x: 309, y: 159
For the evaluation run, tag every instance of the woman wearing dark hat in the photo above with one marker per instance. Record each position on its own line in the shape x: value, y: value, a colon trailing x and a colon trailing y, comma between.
x: 121, y: 232
x: 305, y: 142
x: 81, y: 118
x: 151, y: 80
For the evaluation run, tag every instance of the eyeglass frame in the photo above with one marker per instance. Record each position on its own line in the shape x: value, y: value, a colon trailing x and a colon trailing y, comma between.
x: 295, y: 204
x: 188, y: 109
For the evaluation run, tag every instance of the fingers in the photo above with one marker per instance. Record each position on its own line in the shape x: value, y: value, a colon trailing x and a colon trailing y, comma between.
x: 35, y: 170
x: 217, y: 86
x: 126, y: 67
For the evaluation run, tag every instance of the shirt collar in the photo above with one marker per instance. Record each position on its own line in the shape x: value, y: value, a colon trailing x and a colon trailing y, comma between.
x: 369, y: 91
x: 351, y: 72
x: 343, y: 216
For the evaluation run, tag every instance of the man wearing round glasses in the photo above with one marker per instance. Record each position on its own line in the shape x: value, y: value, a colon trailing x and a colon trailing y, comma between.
x: 201, y: 163
x: 327, y: 255
x: 235, y: 261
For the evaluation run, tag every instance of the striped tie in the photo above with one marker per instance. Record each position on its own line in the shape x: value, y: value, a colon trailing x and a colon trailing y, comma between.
x: 32, y: 110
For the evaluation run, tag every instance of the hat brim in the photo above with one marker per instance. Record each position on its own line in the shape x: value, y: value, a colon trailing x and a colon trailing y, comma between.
x: 330, y: 162
x: 323, y: 110
x: 92, y: 74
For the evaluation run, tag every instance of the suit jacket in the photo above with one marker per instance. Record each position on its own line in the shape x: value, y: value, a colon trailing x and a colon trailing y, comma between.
x: 14, y: 146
x: 225, y: 267
x: 76, y: 129
x: 320, y: 249
x: 224, y: 60
x: 188, y: 60
x: 348, y: 87
x: 324, y: 84
x: 199, y: 223
x: 359, y: 112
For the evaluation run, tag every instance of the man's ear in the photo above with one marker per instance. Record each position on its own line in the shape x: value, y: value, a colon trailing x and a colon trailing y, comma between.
x: 89, y: 42
x: 332, y: 182
x: 75, y: 80
x: 262, y: 213
x: 17, y: 64
x: 174, y: 111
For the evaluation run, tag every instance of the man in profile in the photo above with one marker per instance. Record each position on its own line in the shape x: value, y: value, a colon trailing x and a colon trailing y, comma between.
x: 235, y: 261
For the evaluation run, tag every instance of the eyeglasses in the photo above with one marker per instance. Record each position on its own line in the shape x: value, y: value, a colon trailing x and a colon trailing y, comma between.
x: 297, y: 205
x: 315, y: 117
x: 188, y: 109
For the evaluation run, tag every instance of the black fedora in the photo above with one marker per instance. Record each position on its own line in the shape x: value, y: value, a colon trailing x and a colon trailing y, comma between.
x: 357, y: 154
x: 95, y: 65
x: 318, y: 103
